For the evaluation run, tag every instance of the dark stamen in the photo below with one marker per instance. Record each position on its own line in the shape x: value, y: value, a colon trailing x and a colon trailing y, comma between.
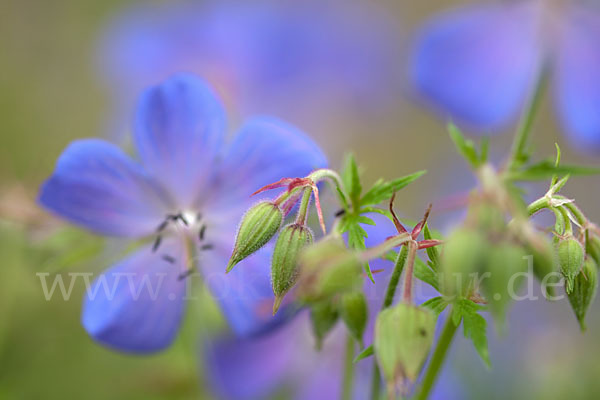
x: 168, y: 258
x: 207, y: 247
x: 202, y: 232
x: 340, y: 213
x: 162, y: 226
x: 198, y: 217
x: 156, y: 243
x: 182, y: 218
x: 185, y: 274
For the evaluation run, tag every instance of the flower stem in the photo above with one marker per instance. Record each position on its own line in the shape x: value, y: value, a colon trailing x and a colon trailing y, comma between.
x: 437, y: 359
x: 348, y: 369
x: 408, y: 275
x: 388, y: 300
x: 523, y: 132
x: 303, y: 210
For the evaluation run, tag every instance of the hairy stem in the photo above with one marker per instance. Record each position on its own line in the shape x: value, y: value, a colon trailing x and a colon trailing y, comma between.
x: 408, y: 275
x: 348, y: 369
x: 437, y: 359
x: 303, y: 210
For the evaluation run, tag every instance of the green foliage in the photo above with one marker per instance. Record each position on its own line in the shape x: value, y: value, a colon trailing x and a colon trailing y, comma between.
x: 466, y: 147
x: 474, y: 326
x: 360, y: 204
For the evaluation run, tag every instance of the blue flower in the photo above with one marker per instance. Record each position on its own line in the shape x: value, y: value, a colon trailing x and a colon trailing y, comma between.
x: 188, y: 190
x: 294, y: 58
x: 479, y: 64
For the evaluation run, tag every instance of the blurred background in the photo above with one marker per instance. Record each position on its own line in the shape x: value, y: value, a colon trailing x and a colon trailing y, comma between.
x: 72, y: 69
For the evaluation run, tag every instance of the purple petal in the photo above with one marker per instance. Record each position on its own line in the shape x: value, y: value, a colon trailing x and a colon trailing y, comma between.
x: 477, y: 64
x: 179, y: 133
x: 252, y: 368
x: 578, y: 77
x: 244, y: 294
x: 264, y: 151
x: 136, y: 306
x: 97, y: 186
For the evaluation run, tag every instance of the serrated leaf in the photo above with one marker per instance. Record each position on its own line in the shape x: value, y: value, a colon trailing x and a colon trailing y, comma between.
x: 351, y: 178
x: 425, y: 274
x: 432, y: 252
x: 383, y: 190
x: 474, y: 326
x: 547, y: 169
x: 365, y: 353
x: 465, y: 147
x: 365, y: 220
x: 436, y: 304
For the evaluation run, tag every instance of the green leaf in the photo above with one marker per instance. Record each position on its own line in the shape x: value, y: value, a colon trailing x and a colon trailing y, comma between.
x: 365, y: 353
x: 484, y: 150
x: 547, y: 169
x: 436, y: 304
x: 465, y: 147
x: 432, y: 252
x: 474, y: 326
x: 425, y: 274
x: 356, y: 236
x: 382, y: 190
x: 351, y: 178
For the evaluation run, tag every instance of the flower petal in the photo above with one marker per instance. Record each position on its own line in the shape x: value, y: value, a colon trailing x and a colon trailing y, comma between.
x: 252, y: 368
x: 244, y: 294
x: 264, y: 151
x: 179, y: 132
x: 477, y: 64
x: 578, y: 77
x: 136, y: 306
x: 98, y: 186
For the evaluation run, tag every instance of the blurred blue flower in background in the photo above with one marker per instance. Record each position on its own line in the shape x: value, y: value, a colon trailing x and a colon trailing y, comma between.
x: 190, y: 190
x: 301, y: 60
x: 479, y: 64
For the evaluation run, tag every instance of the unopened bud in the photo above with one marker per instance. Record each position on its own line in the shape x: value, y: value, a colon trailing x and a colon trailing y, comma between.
x: 570, y: 258
x: 507, y: 267
x: 545, y: 264
x: 323, y: 317
x: 584, y: 290
x: 258, y: 226
x: 403, y: 337
x: 284, y: 265
x: 463, y: 257
x: 328, y: 268
x: 354, y: 311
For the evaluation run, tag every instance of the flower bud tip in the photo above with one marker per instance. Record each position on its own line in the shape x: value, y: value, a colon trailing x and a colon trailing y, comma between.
x: 277, y: 304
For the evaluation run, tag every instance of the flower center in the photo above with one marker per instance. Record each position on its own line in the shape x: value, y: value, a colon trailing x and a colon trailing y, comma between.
x: 190, y: 228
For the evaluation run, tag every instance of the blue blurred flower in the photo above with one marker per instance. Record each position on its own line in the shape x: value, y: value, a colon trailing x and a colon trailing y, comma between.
x: 295, y: 59
x: 190, y: 189
x: 479, y: 64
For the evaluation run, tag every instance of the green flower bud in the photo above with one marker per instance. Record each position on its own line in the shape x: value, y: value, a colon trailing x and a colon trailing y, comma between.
x: 403, y: 337
x: 284, y: 265
x: 354, y: 311
x: 258, y: 226
x: 570, y: 258
x: 584, y: 290
x: 328, y: 268
x: 507, y: 269
x: 545, y: 264
x: 323, y: 317
x: 462, y: 258
x: 593, y: 248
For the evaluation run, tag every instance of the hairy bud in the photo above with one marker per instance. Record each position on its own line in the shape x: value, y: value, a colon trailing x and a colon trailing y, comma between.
x: 463, y: 256
x: 323, y: 317
x: 403, y: 337
x: 354, y: 311
x: 284, y: 265
x: 584, y: 290
x: 570, y: 258
x: 507, y: 268
x: 328, y: 268
x: 258, y: 226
